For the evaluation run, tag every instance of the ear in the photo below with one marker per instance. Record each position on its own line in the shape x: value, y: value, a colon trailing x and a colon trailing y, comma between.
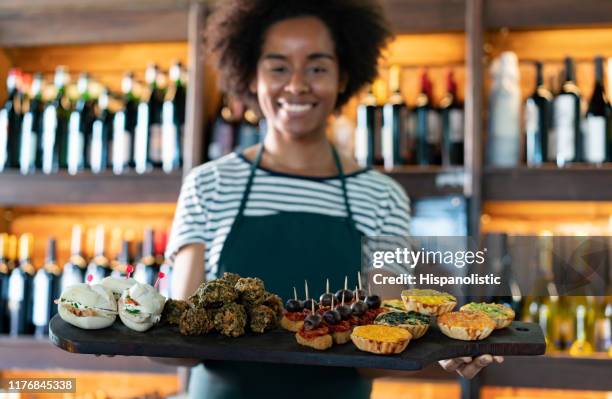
x: 342, y: 82
x: 253, y: 84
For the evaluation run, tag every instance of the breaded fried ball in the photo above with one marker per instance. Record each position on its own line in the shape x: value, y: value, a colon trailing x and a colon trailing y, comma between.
x: 173, y: 310
x: 231, y: 278
x: 195, y: 321
x: 230, y: 320
x: 214, y: 294
x: 262, y: 318
x: 251, y: 291
x: 275, y: 303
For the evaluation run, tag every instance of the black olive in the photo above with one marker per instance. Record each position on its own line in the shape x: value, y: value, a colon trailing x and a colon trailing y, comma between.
x: 308, y: 304
x: 312, y: 321
x: 345, y: 311
x: 332, y: 317
x: 359, y: 308
x: 373, y: 301
x: 348, y: 296
x: 326, y: 299
x: 362, y: 294
x: 293, y: 305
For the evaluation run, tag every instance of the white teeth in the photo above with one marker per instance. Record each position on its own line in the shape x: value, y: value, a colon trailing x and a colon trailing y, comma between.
x: 296, y: 107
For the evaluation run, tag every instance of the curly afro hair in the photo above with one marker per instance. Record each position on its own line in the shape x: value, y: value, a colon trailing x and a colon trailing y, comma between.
x: 236, y: 30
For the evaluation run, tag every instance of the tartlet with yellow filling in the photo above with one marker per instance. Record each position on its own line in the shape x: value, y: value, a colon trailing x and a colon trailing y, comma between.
x: 428, y: 302
x: 417, y: 324
x: 466, y: 326
x: 394, y: 305
x: 500, y: 314
x: 382, y: 340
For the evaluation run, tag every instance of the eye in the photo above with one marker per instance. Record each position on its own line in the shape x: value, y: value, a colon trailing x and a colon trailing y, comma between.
x: 318, y: 69
x: 279, y: 69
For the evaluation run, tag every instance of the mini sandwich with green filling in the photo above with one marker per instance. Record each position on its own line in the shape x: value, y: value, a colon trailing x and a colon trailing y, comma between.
x: 140, y: 307
x: 87, y: 306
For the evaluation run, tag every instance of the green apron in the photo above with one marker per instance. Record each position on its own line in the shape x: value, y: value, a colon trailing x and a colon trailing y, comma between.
x: 284, y: 250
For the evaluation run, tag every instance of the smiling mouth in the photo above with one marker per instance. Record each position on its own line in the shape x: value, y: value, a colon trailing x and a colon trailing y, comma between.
x: 295, y: 108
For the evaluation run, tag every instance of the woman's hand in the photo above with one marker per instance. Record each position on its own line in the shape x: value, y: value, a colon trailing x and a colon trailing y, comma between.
x: 468, y: 367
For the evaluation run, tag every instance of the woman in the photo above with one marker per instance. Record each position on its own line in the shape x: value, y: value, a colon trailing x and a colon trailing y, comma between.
x: 291, y: 209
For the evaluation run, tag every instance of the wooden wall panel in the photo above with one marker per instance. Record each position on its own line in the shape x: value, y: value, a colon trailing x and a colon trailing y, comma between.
x: 550, y: 47
x: 125, y: 221
x: 5, y: 64
x: 106, y: 62
x: 105, y: 385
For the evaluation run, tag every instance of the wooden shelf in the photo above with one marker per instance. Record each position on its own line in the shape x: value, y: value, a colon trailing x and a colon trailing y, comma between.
x: 46, y: 22
x: 39, y: 189
x: 29, y: 353
x: 428, y: 181
x: 552, y: 371
x: 548, y: 183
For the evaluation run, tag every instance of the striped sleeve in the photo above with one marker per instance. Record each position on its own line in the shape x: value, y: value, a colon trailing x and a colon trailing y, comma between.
x: 396, y: 220
x: 191, y: 216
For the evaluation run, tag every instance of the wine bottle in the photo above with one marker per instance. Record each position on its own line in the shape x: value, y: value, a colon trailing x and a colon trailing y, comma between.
x: 148, y: 140
x: 582, y: 304
x: 99, y: 266
x: 46, y: 290
x: 598, y: 127
x: 30, y: 156
x: 20, y: 289
x: 394, y: 123
x: 10, y: 121
x: 538, y: 117
x: 124, y: 127
x: 173, y: 120
x: 161, y: 241
x: 55, y: 127
x: 603, y: 317
x: 501, y: 263
x: 124, y: 259
x: 79, y: 127
x: 75, y: 268
x: 225, y: 129
x: 428, y: 134
x: 5, y: 275
x: 566, y: 122
x: 451, y: 110
x: 100, y: 135
x: 368, y: 129
x: 147, y: 268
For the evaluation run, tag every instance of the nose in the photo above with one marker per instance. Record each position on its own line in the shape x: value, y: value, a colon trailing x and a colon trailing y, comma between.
x: 297, y: 84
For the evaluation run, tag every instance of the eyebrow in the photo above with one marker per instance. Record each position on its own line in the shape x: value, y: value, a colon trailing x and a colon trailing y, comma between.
x: 313, y: 56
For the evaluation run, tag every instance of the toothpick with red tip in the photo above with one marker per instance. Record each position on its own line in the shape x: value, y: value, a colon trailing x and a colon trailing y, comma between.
x: 129, y: 270
x: 160, y: 275
x: 89, y: 278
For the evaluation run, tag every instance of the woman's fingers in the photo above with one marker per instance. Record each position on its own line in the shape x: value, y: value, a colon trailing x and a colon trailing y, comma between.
x: 469, y: 370
x: 451, y: 365
x: 498, y: 359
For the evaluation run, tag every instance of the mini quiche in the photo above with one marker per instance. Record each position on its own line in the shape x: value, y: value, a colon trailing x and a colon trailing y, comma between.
x: 382, y: 340
x: 416, y: 323
x: 394, y: 305
x: 501, y: 315
x: 466, y: 326
x: 428, y: 302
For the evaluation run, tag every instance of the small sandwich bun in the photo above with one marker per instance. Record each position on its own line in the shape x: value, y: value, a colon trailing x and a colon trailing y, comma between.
x: 321, y: 342
x: 290, y: 325
x: 140, y: 307
x: 466, y: 325
x: 90, y: 307
x: 117, y: 285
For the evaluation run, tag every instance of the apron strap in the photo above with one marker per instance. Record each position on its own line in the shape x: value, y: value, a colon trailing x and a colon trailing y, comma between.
x: 249, y: 184
x: 256, y: 163
x: 349, y: 213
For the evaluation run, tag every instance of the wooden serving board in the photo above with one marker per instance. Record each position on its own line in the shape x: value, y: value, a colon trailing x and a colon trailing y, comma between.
x: 279, y: 346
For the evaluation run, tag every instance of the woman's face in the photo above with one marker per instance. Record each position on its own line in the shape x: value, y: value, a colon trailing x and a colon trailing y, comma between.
x: 298, y: 78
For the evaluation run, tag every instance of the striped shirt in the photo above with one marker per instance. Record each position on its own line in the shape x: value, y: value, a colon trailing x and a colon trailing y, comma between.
x: 211, y: 194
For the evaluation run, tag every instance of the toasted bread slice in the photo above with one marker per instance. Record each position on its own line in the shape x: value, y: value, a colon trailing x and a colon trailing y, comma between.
x: 321, y: 342
x: 290, y: 325
x: 341, y: 337
x: 501, y: 315
x: 466, y: 326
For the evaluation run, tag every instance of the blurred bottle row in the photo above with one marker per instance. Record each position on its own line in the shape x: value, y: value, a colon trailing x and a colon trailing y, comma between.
x: 49, y: 126
x: 388, y: 133
x: 27, y: 290
x: 559, y: 124
x: 579, y: 324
